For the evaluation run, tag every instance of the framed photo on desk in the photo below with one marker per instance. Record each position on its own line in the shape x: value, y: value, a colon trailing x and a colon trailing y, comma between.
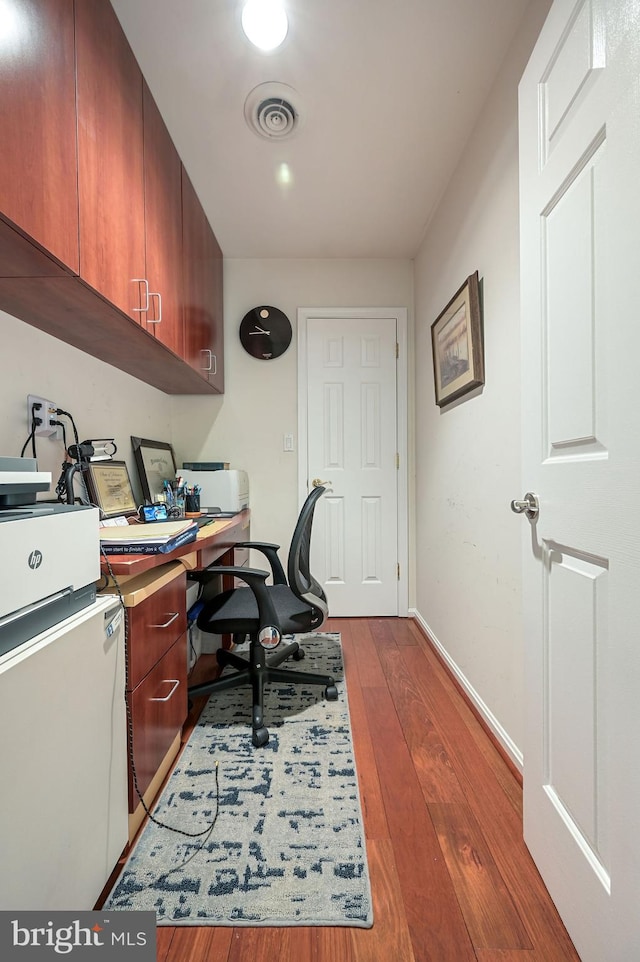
x: 109, y: 487
x: 156, y: 464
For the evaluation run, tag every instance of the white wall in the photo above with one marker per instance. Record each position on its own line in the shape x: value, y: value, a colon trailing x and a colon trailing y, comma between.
x: 246, y: 425
x: 104, y: 402
x: 468, y: 582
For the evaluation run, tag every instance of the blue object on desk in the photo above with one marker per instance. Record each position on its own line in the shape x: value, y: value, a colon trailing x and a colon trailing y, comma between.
x: 153, y: 512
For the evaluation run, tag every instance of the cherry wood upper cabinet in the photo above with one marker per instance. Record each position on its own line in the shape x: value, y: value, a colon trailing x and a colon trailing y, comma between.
x: 110, y: 159
x: 96, y: 245
x: 38, y: 193
x: 163, y: 229
x: 202, y: 275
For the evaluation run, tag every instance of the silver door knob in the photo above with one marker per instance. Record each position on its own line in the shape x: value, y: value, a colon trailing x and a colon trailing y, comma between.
x: 529, y: 506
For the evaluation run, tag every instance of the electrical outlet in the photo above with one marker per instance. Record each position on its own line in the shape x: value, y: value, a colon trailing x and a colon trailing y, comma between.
x: 39, y: 407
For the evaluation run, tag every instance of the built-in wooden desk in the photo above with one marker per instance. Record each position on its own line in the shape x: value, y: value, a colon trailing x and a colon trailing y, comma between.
x: 153, y: 589
x: 213, y: 542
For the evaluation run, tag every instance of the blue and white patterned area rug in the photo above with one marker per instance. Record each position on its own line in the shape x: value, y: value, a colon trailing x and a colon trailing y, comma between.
x: 288, y: 845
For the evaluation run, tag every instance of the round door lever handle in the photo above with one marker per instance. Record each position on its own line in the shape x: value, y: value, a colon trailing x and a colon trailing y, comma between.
x: 529, y: 506
x: 317, y: 483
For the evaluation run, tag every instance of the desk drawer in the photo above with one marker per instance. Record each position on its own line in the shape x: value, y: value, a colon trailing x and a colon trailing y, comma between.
x: 154, y: 625
x: 158, y: 712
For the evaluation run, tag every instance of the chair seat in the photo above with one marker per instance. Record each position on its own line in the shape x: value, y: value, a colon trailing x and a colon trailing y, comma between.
x: 236, y: 612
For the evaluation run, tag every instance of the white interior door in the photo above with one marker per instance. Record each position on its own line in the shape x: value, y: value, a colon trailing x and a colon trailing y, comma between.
x: 580, y: 246
x: 350, y: 372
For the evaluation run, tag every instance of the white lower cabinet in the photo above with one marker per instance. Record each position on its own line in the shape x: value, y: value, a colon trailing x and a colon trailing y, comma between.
x: 63, y: 760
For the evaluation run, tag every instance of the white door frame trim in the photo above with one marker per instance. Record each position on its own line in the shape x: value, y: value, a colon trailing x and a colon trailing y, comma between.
x: 399, y: 314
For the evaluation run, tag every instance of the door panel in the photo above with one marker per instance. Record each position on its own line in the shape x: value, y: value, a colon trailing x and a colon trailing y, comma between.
x: 579, y: 210
x: 163, y: 230
x: 576, y: 587
x: 202, y: 286
x: 571, y: 257
x: 38, y: 186
x: 352, y: 443
x: 110, y: 159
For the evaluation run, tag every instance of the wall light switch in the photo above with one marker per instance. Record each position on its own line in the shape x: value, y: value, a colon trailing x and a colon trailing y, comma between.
x: 288, y: 442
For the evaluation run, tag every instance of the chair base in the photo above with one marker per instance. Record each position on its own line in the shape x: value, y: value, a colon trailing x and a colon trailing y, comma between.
x: 256, y: 671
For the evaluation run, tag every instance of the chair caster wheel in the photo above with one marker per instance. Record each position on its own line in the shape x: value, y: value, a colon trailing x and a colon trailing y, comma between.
x: 260, y: 737
x: 331, y: 693
x: 299, y: 655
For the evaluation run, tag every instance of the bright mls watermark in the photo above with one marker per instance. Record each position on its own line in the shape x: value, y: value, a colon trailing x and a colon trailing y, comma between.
x: 78, y: 936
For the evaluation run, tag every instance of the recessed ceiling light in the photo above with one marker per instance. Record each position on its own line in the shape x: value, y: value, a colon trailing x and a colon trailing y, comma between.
x: 265, y: 23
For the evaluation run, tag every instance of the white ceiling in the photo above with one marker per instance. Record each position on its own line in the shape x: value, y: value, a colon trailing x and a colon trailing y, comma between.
x: 387, y: 90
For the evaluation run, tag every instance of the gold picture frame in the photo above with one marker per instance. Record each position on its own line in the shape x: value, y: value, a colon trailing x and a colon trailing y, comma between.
x: 457, y: 344
x: 109, y: 487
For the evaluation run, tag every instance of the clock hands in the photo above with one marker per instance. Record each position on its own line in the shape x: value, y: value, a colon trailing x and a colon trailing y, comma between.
x: 259, y: 330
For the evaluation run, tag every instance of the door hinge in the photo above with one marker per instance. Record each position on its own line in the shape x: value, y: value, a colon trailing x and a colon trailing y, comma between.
x: 398, y: 567
x: 397, y: 350
x: 397, y: 461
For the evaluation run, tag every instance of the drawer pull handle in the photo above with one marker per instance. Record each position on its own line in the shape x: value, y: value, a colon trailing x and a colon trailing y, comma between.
x: 175, y: 682
x: 176, y: 614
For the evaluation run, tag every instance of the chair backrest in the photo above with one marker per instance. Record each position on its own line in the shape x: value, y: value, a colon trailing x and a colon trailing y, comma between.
x: 301, y: 581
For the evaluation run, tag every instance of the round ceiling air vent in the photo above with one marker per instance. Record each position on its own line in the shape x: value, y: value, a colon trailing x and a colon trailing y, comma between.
x: 271, y: 111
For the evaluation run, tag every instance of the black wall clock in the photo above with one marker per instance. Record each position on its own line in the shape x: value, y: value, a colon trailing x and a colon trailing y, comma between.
x: 265, y: 332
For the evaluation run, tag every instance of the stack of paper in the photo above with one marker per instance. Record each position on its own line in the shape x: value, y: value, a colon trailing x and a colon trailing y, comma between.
x: 154, y: 538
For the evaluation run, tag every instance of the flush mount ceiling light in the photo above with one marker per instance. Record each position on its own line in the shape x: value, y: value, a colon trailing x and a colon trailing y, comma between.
x: 265, y: 23
x: 271, y: 111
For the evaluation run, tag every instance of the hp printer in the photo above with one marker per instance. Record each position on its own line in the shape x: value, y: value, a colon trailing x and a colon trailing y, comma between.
x: 50, y: 555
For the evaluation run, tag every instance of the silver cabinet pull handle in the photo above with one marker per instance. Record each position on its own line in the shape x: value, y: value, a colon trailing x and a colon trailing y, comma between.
x: 142, y: 280
x: 173, y: 617
x: 169, y: 681
x: 212, y: 367
x: 529, y: 506
x: 158, y: 318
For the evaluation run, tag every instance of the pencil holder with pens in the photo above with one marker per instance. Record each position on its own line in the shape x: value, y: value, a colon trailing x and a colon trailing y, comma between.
x: 191, y: 504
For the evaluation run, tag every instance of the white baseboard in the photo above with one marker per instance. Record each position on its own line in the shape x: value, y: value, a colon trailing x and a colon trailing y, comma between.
x: 488, y: 717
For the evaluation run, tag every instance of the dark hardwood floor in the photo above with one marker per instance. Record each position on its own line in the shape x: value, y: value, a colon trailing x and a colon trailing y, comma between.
x: 452, y: 880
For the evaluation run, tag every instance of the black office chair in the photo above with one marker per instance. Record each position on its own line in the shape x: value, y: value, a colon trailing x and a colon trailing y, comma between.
x: 266, y: 612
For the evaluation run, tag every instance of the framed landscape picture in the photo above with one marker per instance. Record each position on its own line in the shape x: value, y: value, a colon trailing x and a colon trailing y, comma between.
x: 457, y: 344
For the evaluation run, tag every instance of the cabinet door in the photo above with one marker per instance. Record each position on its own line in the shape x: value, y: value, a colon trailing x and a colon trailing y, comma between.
x: 158, y: 712
x: 202, y: 272
x: 163, y: 229
x: 38, y: 189
x: 110, y: 159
